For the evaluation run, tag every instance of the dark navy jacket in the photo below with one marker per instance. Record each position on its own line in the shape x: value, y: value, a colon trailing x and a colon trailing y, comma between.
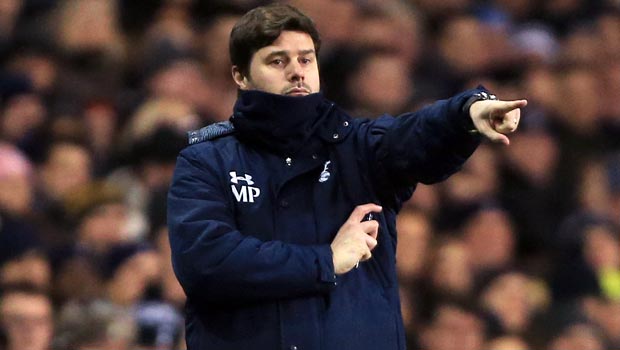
x: 250, y: 230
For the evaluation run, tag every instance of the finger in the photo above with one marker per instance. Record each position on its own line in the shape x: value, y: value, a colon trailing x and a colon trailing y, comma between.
x: 497, y: 137
x: 508, y: 124
x: 485, y: 129
x: 507, y: 127
x: 506, y: 106
x: 371, y: 243
x: 367, y: 255
x: 374, y: 234
x: 514, y: 116
x: 370, y: 227
x: 361, y: 210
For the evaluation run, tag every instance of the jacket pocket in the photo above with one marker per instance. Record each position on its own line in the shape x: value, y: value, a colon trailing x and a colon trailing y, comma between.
x: 377, y: 273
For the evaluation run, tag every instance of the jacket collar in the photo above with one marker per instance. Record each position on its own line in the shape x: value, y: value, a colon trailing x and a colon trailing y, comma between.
x: 284, y: 124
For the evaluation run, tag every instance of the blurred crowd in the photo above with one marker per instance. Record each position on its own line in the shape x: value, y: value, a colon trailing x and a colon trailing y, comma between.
x: 520, y: 250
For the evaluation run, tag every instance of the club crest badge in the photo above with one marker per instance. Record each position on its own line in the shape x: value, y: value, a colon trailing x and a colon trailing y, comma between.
x: 325, y: 173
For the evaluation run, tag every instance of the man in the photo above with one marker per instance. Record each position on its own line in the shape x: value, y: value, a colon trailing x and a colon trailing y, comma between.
x: 268, y: 213
x: 26, y: 315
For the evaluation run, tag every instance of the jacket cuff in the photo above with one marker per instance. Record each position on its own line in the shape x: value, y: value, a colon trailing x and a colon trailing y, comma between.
x: 327, y: 276
x: 465, y: 100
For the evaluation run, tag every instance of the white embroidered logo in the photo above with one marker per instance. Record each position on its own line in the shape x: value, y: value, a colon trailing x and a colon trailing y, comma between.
x: 325, y: 174
x: 246, y: 193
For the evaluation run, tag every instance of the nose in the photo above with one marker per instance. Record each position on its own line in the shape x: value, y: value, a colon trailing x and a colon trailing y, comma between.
x: 297, y: 72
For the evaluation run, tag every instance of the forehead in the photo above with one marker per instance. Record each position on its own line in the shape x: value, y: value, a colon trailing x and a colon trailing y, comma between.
x: 63, y: 150
x: 289, y: 41
x: 25, y: 304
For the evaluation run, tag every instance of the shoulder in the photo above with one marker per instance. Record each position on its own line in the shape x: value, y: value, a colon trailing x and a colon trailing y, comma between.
x: 210, y: 132
x: 210, y: 142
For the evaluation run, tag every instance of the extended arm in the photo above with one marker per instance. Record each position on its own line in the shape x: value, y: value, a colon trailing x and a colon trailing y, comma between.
x: 433, y: 143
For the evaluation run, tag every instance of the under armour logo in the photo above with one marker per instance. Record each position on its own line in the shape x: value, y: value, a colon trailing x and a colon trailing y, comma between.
x: 235, y: 179
x: 325, y: 174
x: 246, y: 193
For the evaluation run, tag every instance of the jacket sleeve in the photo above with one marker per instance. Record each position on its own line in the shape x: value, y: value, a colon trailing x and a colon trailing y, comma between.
x: 215, y: 263
x: 426, y: 146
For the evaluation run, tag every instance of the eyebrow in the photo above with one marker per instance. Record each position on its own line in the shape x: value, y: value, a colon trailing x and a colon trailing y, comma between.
x: 286, y: 52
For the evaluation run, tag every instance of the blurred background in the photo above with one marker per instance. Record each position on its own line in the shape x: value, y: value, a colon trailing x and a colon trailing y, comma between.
x: 520, y: 250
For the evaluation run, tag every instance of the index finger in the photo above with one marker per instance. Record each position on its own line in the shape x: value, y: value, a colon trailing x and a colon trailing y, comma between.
x: 507, y: 106
x: 361, y: 210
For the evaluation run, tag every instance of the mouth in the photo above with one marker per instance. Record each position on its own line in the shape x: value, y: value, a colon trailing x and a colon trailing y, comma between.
x: 298, y: 91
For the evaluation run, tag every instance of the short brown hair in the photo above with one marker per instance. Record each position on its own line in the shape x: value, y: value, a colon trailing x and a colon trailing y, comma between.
x: 262, y: 26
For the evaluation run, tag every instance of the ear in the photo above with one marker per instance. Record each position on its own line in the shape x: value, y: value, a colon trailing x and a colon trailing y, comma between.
x: 240, y: 79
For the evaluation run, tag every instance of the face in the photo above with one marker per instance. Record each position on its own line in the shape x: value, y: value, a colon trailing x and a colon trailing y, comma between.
x: 286, y: 67
x: 68, y: 166
x: 388, y: 71
x: 490, y: 238
x: 414, y: 233
x: 31, y: 268
x: 507, y: 343
x: 507, y: 298
x: 453, y: 271
x: 601, y: 249
x: 453, y: 328
x: 104, y: 226
x: 27, y: 320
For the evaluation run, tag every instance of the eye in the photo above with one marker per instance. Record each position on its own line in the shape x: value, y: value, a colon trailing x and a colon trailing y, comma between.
x: 277, y: 62
x: 305, y: 60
